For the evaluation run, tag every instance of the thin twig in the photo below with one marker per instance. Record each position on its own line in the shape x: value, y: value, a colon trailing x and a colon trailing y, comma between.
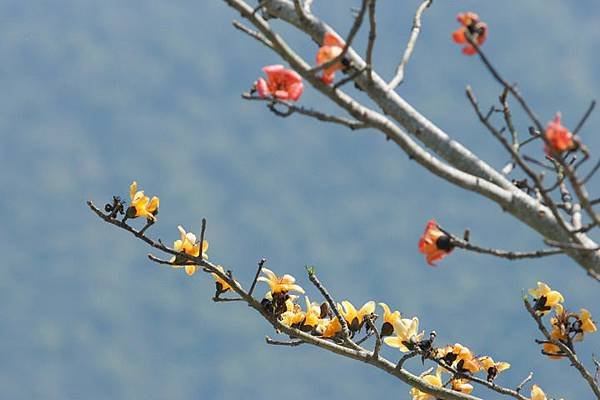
x: 350, y: 77
x: 574, y: 246
x: 254, y: 34
x: 587, y: 114
x: 332, y: 305
x: 261, y: 263
x: 510, y: 255
x: 590, y: 174
x: 414, y: 35
x: 290, y: 343
x: 405, y: 358
x: 309, y: 112
x: 378, y: 341
x: 372, y: 38
x: 520, y: 385
x: 226, y: 299
x: 564, y: 349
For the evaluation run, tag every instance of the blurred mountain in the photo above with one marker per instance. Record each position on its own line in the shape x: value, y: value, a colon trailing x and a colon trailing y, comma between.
x: 96, y: 94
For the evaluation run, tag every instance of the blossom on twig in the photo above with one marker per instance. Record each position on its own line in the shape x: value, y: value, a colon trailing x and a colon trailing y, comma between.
x: 332, y: 47
x: 545, y: 298
x: 283, y: 284
x: 189, y: 245
x: 389, y: 318
x: 406, y: 335
x: 474, y: 27
x: 434, y: 243
x: 221, y: 285
x: 141, y: 205
x: 558, y: 137
x: 434, y: 380
x: 537, y: 393
x: 492, y: 368
x: 281, y: 83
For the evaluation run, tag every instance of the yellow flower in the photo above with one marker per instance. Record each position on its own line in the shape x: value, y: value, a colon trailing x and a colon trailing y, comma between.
x: 545, y: 298
x: 406, y: 334
x: 222, y: 286
x: 558, y: 333
x: 294, y: 314
x: 460, y: 357
x: 462, y: 385
x: 354, y: 318
x: 389, y: 317
x: 312, y: 314
x: 537, y: 393
x: 141, y: 205
x: 281, y: 284
x: 434, y: 380
x: 332, y: 328
x: 587, y: 325
x: 187, y: 244
x: 492, y: 368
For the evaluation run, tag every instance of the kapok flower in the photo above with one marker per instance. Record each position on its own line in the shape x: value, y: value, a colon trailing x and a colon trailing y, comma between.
x: 473, y: 26
x: 354, y: 318
x: 332, y: 328
x: 281, y: 83
x: 545, y: 298
x: 434, y: 380
x: 537, y: 393
x: 331, y: 48
x: 222, y: 285
x: 462, y: 385
x: 406, y: 334
x: 389, y: 317
x: 312, y: 314
x: 434, y: 243
x: 492, y: 368
x: 558, y: 137
x: 281, y: 284
x: 141, y: 205
x: 552, y: 350
x: 294, y: 314
x: 187, y: 244
x: 586, y: 323
x: 460, y: 357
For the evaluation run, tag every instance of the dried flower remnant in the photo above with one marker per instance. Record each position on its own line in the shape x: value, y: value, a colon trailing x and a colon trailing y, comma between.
x: 187, y: 244
x: 492, y: 368
x: 434, y: 243
x: 558, y: 137
x: 281, y: 83
x: 141, y: 205
x: 406, y: 335
x: 332, y: 47
x: 545, y: 298
x: 389, y: 318
x: 471, y: 24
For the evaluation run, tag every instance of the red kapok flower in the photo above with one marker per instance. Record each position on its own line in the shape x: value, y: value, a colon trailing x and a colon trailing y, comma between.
x: 470, y: 24
x: 281, y: 83
x: 331, y: 48
x: 434, y: 243
x: 559, y: 138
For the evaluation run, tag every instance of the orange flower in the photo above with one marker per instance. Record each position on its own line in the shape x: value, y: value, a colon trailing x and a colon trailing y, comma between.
x: 558, y: 137
x: 434, y: 243
x: 281, y: 83
x: 331, y: 48
x: 552, y: 349
x: 537, y: 393
x: 473, y: 26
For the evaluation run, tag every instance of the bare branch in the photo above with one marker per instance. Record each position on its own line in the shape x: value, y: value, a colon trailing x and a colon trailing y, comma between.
x: 414, y: 35
x: 253, y: 34
x: 585, y: 117
x: 527, y: 379
x: 291, y: 343
x: 372, y: 37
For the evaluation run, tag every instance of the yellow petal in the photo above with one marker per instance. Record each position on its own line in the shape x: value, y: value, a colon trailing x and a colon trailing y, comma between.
x: 537, y: 393
x: 132, y: 189
x: 190, y: 269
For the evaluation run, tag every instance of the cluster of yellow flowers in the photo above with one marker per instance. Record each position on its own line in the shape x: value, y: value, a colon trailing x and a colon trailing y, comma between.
x: 567, y: 327
x: 142, y: 206
x: 401, y: 333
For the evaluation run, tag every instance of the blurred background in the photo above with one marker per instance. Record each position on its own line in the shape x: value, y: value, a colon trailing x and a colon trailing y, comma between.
x: 96, y: 94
